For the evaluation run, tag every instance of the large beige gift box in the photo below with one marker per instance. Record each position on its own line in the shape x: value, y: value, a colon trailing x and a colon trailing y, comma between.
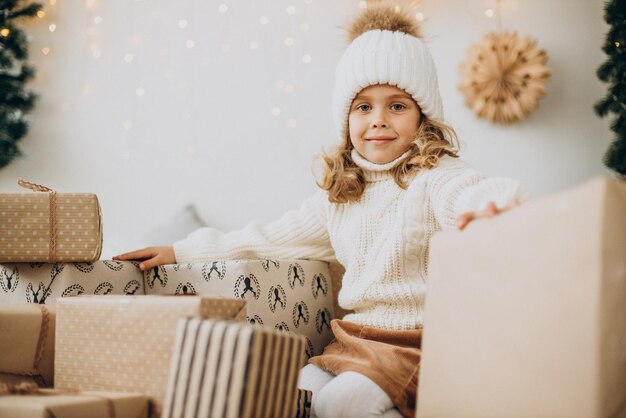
x: 51, y: 403
x: 27, y: 342
x: 49, y: 226
x: 43, y: 283
x: 526, y: 312
x: 288, y: 295
x: 124, y: 343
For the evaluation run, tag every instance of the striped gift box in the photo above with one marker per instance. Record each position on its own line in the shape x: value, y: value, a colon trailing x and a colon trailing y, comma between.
x: 226, y: 369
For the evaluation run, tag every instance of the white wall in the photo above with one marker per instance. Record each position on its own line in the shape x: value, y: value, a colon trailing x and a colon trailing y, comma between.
x: 563, y: 142
x: 203, y: 131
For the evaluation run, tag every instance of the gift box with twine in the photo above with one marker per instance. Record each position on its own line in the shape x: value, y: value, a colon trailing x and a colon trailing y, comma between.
x: 51, y: 227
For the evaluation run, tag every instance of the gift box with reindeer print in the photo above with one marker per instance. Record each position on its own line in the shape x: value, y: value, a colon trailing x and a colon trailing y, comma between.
x: 288, y: 295
x: 42, y: 283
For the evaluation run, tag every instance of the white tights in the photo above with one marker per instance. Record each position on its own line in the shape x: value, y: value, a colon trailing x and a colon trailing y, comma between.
x: 348, y: 395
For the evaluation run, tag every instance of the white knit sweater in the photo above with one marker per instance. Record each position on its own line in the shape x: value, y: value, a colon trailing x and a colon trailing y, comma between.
x: 382, y: 240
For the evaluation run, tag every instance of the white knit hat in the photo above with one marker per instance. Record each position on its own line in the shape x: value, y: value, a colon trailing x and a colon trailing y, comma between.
x: 386, y: 57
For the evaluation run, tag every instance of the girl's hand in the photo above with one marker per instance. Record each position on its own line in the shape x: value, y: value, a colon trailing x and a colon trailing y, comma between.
x: 489, y: 212
x: 152, y: 256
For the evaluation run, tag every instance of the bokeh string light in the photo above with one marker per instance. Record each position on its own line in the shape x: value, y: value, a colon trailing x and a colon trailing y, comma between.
x: 295, y: 40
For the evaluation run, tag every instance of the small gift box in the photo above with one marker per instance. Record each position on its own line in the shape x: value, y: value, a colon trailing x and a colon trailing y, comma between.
x: 27, y: 343
x: 525, y: 312
x: 27, y: 401
x: 47, y: 226
x: 233, y: 370
x: 124, y: 343
x: 43, y: 283
x: 288, y: 295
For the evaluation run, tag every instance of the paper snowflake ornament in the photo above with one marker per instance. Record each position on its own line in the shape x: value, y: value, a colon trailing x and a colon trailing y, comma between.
x: 503, y: 77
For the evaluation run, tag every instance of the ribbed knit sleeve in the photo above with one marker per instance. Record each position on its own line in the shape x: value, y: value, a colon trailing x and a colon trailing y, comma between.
x: 301, y: 233
x: 457, y: 188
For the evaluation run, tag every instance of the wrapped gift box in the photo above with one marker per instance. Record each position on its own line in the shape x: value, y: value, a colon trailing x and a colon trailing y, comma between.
x: 59, y: 404
x: 27, y: 342
x: 124, y: 343
x: 526, y: 313
x: 289, y: 295
x: 42, y: 283
x: 233, y: 370
x: 49, y: 227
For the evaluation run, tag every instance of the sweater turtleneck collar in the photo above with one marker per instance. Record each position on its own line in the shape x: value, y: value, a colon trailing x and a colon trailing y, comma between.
x: 376, y: 172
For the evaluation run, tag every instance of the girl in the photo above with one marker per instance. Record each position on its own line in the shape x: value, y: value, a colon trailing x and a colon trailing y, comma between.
x: 394, y: 181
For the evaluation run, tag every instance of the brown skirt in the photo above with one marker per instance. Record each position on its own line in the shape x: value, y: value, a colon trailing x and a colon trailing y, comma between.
x: 391, y: 358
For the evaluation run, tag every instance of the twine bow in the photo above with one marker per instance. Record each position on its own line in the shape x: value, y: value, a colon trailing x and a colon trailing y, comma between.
x: 52, y: 215
x: 25, y: 388
x: 39, y: 350
x: 43, y: 335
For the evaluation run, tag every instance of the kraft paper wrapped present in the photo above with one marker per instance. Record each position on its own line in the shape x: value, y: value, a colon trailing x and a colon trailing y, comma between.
x: 233, y: 370
x: 51, y: 227
x: 27, y: 342
x: 42, y: 283
x: 46, y: 403
x: 124, y: 343
x: 289, y: 295
x: 526, y: 312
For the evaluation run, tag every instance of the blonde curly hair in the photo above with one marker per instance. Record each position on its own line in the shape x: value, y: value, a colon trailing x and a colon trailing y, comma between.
x: 345, y: 181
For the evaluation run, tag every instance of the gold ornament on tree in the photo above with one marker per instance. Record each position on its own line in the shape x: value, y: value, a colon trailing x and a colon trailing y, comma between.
x: 504, y: 76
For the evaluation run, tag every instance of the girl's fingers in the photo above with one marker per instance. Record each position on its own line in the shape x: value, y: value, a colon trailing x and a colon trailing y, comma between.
x: 514, y: 203
x: 137, y: 255
x: 150, y: 263
x: 491, y: 209
x: 465, y: 219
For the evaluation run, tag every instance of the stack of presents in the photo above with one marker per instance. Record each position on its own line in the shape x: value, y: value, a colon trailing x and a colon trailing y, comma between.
x: 82, y: 337
x: 525, y: 317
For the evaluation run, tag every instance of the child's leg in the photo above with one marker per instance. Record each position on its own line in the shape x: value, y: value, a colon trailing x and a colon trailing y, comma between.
x: 351, y: 395
x: 314, y: 379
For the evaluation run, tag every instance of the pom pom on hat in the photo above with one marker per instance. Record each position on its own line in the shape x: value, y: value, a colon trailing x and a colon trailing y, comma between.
x: 385, y: 15
x: 385, y: 49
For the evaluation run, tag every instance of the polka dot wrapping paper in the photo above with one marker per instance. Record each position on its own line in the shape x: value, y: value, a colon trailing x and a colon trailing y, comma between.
x: 124, y: 343
x: 50, y: 227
